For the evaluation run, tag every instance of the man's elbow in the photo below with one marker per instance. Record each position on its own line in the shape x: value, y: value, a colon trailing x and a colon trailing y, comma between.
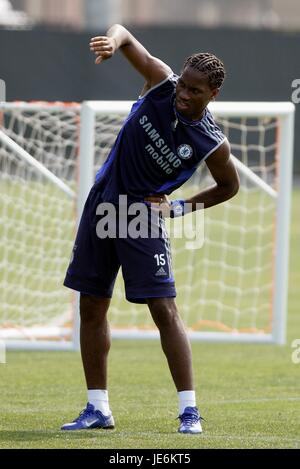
x: 235, y: 187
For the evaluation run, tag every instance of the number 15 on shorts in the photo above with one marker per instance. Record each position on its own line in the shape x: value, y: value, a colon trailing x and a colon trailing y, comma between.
x: 160, y: 259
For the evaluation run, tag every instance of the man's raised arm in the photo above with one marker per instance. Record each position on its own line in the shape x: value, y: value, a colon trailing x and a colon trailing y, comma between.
x: 117, y: 37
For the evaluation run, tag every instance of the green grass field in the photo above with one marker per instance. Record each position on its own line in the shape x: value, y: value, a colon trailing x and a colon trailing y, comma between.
x: 248, y: 394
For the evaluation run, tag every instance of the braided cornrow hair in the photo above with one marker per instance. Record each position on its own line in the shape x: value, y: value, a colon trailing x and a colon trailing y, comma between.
x: 210, y: 66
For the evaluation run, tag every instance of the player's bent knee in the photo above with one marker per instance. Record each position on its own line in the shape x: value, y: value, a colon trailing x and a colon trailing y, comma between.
x: 93, y: 309
x: 164, y: 313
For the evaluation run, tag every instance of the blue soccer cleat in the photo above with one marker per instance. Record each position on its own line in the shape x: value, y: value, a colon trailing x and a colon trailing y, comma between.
x: 90, y: 418
x: 190, y: 421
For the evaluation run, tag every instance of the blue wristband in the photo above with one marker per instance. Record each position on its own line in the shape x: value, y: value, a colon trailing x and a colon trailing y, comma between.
x: 177, y: 208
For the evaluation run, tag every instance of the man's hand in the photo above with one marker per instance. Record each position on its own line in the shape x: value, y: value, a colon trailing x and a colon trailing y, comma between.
x: 160, y: 204
x: 118, y: 37
x: 163, y: 205
x: 103, y: 47
x: 158, y: 199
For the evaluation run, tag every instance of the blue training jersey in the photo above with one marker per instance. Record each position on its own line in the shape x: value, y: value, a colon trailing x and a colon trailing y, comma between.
x: 157, y: 149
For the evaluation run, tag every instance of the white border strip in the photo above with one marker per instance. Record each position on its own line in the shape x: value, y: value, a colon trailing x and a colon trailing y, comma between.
x: 251, y: 109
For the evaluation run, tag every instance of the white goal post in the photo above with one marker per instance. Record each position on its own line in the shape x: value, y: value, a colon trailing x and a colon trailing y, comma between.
x: 233, y: 289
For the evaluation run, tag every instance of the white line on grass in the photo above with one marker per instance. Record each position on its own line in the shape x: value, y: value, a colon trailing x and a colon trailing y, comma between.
x: 258, y: 400
x: 256, y: 438
x: 208, y: 436
x: 217, y: 402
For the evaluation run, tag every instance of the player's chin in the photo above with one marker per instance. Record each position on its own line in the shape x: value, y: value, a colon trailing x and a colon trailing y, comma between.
x: 183, y: 108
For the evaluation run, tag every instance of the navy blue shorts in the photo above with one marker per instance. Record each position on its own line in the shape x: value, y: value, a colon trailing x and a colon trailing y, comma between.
x: 95, y: 262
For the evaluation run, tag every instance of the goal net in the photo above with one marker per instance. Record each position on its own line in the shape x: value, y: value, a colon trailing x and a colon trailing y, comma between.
x: 233, y: 288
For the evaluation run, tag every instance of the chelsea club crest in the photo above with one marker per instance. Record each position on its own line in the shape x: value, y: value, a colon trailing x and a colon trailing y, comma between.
x: 185, y: 151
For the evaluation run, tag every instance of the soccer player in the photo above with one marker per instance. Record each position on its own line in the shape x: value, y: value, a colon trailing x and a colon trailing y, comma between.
x: 168, y: 133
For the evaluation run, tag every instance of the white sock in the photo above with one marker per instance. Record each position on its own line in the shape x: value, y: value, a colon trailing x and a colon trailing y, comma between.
x: 99, y: 399
x: 186, y: 399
